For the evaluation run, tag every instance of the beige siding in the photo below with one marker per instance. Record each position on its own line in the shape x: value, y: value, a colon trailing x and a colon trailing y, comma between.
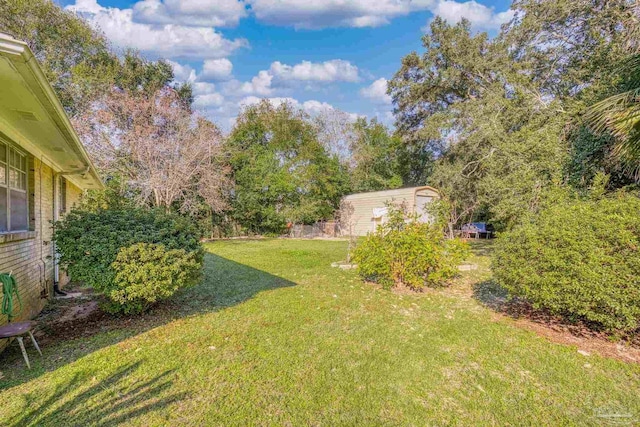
x: 364, y: 204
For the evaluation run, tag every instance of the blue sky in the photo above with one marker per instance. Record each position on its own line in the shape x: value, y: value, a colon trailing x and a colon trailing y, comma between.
x: 316, y: 54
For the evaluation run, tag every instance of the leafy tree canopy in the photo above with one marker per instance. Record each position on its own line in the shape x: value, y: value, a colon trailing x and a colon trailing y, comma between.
x: 502, y: 116
x: 375, y: 157
x: 76, y: 59
x: 282, y: 172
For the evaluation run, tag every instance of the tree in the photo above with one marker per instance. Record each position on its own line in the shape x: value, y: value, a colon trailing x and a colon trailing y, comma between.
x: 346, y: 215
x: 573, y: 49
x: 570, y: 48
x: 619, y: 115
x: 167, y: 155
x: 282, y: 172
x: 502, y: 116
x: 495, y: 141
x: 335, y: 132
x: 74, y: 57
x: 374, y: 157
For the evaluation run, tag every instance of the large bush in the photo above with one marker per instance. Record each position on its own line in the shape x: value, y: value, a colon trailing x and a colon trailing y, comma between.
x: 578, y: 258
x: 405, y: 251
x: 90, y: 243
x: 147, y: 272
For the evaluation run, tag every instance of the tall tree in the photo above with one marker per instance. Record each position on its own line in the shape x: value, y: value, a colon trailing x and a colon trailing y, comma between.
x: 502, y: 115
x: 374, y: 157
x: 282, y: 172
x: 75, y: 58
x: 573, y: 49
x: 619, y: 115
x: 167, y: 155
x: 466, y: 102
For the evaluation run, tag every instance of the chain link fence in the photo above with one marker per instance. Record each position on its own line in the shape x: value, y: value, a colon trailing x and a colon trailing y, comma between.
x: 322, y: 229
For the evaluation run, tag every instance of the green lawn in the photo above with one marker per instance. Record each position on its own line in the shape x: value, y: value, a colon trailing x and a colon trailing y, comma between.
x: 275, y: 336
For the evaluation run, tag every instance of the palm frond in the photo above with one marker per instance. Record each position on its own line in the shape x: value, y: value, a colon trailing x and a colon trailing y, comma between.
x: 619, y: 115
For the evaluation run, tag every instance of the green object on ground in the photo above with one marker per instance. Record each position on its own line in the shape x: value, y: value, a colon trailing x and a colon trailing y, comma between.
x: 9, y: 292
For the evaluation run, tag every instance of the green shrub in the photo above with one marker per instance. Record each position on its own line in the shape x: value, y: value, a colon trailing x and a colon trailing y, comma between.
x: 89, y: 241
x: 404, y: 251
x: 146, y: 273
x: 579, y: 259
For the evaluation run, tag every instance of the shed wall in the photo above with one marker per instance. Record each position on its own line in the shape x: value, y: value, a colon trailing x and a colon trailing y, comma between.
x: 364, y: 203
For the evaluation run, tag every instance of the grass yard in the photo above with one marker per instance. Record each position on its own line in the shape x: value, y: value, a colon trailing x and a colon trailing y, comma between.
x: 275, y: 336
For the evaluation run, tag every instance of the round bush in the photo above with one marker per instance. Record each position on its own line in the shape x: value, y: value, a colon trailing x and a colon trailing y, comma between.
x: 146, y: 273
x: 410, y: 253
x: 89, y: 241
x: 579, y: 259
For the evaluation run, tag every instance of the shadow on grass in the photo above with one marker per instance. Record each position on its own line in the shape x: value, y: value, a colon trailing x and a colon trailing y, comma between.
x: 110, y: 401
x: 226, y: 283
x: 491, y: 295
x: 481, y: 247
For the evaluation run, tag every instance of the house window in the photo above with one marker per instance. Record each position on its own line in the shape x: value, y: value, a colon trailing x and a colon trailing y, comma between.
x: 14, y: 203
x: 63, y: 195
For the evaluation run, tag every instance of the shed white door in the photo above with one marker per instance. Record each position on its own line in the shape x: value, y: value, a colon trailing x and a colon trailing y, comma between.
x: 421, y: 208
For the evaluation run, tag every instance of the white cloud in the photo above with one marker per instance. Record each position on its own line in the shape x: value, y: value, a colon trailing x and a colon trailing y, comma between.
x: 480, y: 16
x: 281, y: 75
x: 275, y: 101
x: 183, y: 73
x: 259, y: 85
x: 201, y: 13
x: 169, y: 41
x: 311, y: 107
x: 216, y: 69
x: 316, y: 107
x: 317, y: 14
x: 85, y: 6
x: 203, y: 88
x: 328, y: 71
x: 203, y: 102
x: 377, y: 92
x: 310, y: 14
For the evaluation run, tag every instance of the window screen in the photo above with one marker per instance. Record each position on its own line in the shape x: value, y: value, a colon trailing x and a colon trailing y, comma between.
x: 63, y: 195
x: 4, y: 202
x: 4, y: 206
x: 14, y: 206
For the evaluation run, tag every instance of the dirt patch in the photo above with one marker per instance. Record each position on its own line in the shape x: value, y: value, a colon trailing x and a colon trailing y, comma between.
x: 81, y: 316
x: 590, y: 342
x: 77, y: 312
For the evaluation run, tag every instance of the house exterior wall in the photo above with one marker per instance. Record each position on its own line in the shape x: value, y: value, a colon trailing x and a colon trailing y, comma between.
x: 73, y: 196
x: 28, y: 256
x: 364, y: 203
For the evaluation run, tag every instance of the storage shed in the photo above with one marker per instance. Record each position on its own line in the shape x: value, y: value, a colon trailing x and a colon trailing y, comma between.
x: 369, y: 209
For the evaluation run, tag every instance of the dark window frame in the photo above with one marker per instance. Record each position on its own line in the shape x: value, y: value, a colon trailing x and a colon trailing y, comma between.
x: 62, y: 195
x: 11, y: 172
